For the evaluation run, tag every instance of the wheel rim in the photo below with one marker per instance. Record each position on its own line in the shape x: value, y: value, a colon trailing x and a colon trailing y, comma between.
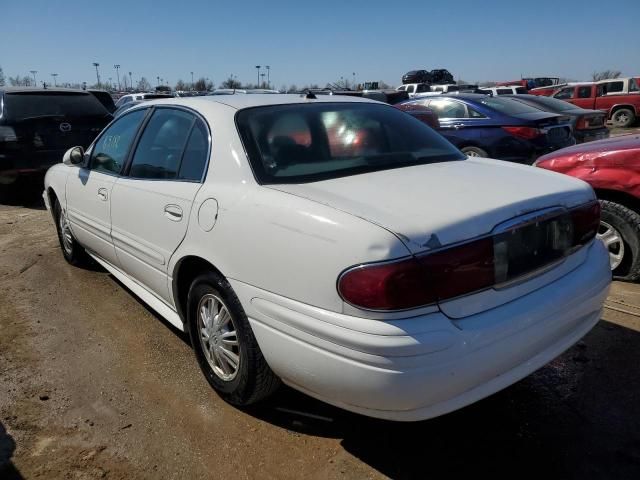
x: 218, y: 337
x: 622, y: 118
x: 613, y: 241
x: 472, y: 153
x: 65, y: 233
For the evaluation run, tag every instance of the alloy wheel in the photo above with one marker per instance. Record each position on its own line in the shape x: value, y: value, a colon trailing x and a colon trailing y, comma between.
x: 218, y: 337
x: 65, y: 233
x: 614, y: 243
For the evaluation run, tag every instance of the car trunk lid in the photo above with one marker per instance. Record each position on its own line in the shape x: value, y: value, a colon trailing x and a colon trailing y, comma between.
x: 432, y: 207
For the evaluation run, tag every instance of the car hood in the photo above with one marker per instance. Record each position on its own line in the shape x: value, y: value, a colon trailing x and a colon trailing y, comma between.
x: 429, y: 206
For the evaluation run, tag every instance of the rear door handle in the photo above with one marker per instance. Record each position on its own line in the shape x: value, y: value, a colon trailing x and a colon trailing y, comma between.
x: 173, y: 212
x: 458, y: 126
x: 102, y: 194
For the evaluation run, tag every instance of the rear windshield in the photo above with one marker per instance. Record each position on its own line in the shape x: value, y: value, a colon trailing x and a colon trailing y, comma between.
x: 311, y: 142
x: 554, y: 104
x: 508, y: 106
x: 21, y: 106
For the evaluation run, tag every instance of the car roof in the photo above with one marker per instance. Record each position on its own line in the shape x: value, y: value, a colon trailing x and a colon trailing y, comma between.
x: 240, y: 102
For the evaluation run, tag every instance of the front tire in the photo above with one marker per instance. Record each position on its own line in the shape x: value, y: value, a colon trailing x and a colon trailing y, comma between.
x: 224, y: 344
x: 71, y: 250
x: 623, y: 118
x: 620, y: 232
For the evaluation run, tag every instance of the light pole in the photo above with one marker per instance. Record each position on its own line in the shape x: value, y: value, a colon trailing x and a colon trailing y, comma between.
x: 130, y: 81
x: 262, y: 75
x: 96, y: 64
x: 117, y: 67
x: 354, y: 80
x: 268, y: 76
x: 54, y: 75
x: 109, y: 83
x: 191, y: 80
x: 158, y: 81
x: 33, y: 72
x: 258, y: 67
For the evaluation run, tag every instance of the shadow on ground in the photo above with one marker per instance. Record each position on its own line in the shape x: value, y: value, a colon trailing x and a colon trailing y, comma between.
x: 7, y: 446
x: 23, y: 193
x: 578, y: 417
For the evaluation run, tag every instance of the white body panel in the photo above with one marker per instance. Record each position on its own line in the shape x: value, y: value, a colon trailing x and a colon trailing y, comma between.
x: 283, y: 247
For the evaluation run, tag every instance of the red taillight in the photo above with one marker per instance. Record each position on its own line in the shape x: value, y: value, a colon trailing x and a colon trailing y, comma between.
x: 582, y: 123
x: 586, y: 220
x: 421, y: 280
x: 470, y: 267
x: 523, y: 132
x: 388, y: 286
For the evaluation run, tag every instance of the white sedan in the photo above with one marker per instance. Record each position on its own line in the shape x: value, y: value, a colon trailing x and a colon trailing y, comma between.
x: 337, y: 245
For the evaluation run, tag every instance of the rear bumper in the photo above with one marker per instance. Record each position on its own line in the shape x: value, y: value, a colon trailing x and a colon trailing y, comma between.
x: 421, y: 367
x: 591, y: 135
x: 13, y: 166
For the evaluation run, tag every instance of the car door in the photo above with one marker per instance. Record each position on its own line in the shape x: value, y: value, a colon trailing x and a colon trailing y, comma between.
x: 453, y: 117
x: 584, y: 97
x: 88, y: 190
x: 151, y: 203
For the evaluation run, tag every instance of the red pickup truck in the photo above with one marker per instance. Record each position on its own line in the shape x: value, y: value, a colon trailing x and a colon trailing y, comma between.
x: 620, y: 98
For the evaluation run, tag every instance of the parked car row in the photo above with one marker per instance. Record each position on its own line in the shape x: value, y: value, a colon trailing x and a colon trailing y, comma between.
x: 516, y: 128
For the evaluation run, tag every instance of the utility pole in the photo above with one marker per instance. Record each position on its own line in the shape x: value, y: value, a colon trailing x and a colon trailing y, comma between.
x: 268, y: 76
x: 117, y: 67
x: 258, y: 67
x: 33, y: 72
x: 54, y: 75
x: 110, y: 84
x: 354, y: 80
x: 191, y: 80
x: 262, y: 75
x: 96, y: 64
x: 130, y: 80
x: 158, y: 81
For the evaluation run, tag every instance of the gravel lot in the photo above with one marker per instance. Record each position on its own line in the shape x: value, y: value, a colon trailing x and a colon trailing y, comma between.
x: 94, y: 385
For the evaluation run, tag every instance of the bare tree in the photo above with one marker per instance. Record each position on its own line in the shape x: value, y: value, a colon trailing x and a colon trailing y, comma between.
x: 143, y: 85
x: 181, y: 86
x: 231, y: 82
x: 1, y: 77
x: 605, y: 74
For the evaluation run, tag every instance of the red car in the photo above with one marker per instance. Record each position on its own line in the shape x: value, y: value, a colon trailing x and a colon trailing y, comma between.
x: 612, y: 168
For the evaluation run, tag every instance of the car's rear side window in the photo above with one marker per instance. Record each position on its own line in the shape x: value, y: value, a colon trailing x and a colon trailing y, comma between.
x: 311, y: 142
x: 508, y: 106
x: 194, y: 159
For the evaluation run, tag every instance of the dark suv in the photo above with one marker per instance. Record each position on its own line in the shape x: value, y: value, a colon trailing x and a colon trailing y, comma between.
x: 38, y: 125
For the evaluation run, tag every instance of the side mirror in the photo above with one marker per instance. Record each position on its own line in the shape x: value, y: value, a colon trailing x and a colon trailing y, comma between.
x: 73, y: 156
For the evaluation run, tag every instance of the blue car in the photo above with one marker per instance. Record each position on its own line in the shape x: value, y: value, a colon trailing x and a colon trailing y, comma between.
x: 495, y: 127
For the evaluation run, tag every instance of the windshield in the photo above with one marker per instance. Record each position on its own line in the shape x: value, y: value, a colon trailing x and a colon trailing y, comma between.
x: 311, y: 142
x: 508, y: 106
x: 25, y: 105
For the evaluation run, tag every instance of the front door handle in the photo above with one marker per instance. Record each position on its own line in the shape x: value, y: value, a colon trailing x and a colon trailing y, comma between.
x: 173, y: 212
x: 458, y: 126
x: 102, y: 194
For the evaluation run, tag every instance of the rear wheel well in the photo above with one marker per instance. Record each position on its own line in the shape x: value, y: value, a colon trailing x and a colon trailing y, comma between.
x: 619, y: 107
x: 187, y: 269
x: 617, y: 196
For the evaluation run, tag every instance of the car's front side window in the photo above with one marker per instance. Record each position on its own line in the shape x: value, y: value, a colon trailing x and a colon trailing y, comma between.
x: 161, y: 145
x: 110, y: 151
x: 565, y: 93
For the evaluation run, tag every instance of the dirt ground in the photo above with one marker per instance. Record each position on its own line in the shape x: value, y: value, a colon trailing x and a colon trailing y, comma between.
x: 95, y: 385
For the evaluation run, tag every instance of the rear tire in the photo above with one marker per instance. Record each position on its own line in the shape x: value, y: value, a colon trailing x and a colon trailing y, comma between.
x: 71, y: 250
x: 224, y: 344
x: 620, y: 231
x: 623, y: 118
x: 474, y: 152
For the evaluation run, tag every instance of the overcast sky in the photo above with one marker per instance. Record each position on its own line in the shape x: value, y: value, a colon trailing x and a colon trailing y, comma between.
x: 319, y: 41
